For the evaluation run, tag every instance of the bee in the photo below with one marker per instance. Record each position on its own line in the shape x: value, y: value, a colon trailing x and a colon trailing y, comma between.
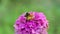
x: 29, y: 16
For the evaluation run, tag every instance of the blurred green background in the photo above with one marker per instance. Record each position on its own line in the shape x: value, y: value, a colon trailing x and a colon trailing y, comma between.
x: 11, y: 9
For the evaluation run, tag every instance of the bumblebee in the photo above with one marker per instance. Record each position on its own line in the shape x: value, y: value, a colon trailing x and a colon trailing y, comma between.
x: 29, y: 16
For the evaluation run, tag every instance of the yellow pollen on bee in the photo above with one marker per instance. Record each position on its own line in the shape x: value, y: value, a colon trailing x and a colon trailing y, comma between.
x: 30, y: 17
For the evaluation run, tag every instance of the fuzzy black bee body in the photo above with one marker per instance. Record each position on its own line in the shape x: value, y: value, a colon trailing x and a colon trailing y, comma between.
x: 29, y: 16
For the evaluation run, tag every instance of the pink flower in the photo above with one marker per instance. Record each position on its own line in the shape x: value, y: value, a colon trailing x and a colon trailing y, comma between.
x: 31, y: 23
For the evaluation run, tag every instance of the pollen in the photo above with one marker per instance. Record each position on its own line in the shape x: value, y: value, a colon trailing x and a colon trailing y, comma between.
x: 30, y: 17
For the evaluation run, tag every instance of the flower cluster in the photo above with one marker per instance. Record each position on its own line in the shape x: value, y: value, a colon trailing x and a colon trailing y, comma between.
x: 31, y: 23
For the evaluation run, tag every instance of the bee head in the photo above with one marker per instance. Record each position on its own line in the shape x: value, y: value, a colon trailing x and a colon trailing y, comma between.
x: 27, y: 14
